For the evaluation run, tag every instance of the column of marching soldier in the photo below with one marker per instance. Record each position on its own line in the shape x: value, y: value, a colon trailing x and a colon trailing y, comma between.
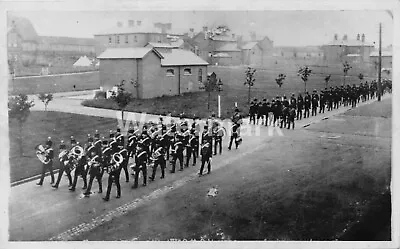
x: 283, y: 112
x: 149, y: 147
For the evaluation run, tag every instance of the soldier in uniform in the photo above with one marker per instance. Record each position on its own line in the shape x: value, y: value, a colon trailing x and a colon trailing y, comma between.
x: 277, y: 110
x: 253, y: 111
x: 291, y: 116
x: 132, y: 141
x: 191, y: 148
x: 171, y: 136
x: 205, y: 157
x: 300, y: 106
x: 94, y: 163
x: 234, y: 136
x: 48, y: 166
x: 120, y: 139
x: 114, y: 171
x: 196, y: 132
x: 269, y: 114
x: 97, y: 143
x: 64, y: 160
x: 260, y: 112
x: 314, y: 103
x: 125, y: 162
x: 219, y: 133
x: 112, y: 135
x: 322, y: 102
x: 159, y: 160
x: 307, y: 105
x: 80, y: 171
x: 177, y: 153
x: 140, y: 165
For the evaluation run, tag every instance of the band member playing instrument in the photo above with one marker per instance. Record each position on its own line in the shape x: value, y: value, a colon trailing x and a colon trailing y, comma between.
x: 140, y: 165
x: 64, y: 167
x: 113, y: 170
x: 94, y: 163
x: 120, y: 139
x: 124, y: 164
x: 205, y: 157
x: 112, y: 135
x: 49, y: 155
x: 80, y: 171
x: 97, y: 143
x: 177, y: 153
x: 171, y: 136
x: 132, y: 142
x: 218, y: 135
x: 192, y: 146
x: 234, y: 136
x: 159, y: 160
x: 196, y: 128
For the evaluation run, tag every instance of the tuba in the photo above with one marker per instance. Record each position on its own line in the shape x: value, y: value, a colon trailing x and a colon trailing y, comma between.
x: 77, y: 151
x: 41, y: 154
x: 116, y: 160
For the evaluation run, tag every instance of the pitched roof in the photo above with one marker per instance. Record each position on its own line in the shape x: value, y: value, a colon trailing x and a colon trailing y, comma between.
x: 356, y: 43
x: 228, y: 47
x: 23, y: 27
x: 249, y: 45
x: 127, y: 53
x: 67, y: 40
x: 162, y: 45
x: 144, y: 28
x: 384, y: 53
x: 180, y: 57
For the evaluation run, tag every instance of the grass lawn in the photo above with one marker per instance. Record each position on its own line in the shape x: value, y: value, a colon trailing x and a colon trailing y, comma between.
x: 300, y: 186
x: 63, y: 83
x: 233, y: 91
x: 59, y: 126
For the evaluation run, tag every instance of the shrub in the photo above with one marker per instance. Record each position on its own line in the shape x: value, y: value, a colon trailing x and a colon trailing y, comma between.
x: 100, y: 95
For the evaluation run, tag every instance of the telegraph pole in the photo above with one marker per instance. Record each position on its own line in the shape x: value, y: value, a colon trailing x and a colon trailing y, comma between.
x: 380, y: 63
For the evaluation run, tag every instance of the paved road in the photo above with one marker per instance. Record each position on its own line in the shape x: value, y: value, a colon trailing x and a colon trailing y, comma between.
x: 52, y: 75
x: 40, y: 213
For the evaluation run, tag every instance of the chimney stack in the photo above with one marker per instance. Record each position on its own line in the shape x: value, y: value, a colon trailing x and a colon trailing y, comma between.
x: 131, y: 23
x: 138, y: 23
x: 335, y: 37
x: 119, y: 24
x: 358, y: 37
x: 363, y: 38
x: 345, y: 38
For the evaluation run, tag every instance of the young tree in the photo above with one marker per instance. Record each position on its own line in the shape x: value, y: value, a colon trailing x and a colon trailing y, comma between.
x: 327, y: 79
x: 346, y: 68
x: 19, y: 109
x: 280, y: 79
x: 45, y: 98
x: 250, y: 79
x: 122, y: 98
x: 304, y: 72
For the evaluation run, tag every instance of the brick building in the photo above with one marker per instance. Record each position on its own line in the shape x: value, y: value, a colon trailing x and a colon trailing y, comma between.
x: 170, y: 72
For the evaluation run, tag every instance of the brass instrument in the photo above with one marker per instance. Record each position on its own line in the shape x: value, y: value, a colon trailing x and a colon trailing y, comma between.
x: 42, y: 154
x: 77, y: 151
x: 116, y: 160
x: 62, y: 154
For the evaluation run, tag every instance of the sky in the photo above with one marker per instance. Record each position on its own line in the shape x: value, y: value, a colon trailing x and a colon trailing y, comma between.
x: 285, y: 28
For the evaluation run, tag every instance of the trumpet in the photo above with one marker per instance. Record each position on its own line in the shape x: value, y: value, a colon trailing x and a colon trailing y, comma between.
x: 42, y: 154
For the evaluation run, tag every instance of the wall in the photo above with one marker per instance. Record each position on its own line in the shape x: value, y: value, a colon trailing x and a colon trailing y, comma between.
x: 190, y: 83
x: 253, y: 56
x: 112, y: 72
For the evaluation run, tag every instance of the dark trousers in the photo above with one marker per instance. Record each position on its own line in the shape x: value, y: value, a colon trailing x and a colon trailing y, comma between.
x: 353, y: 102
x: 260, y: 116
x: 314, y: 111
x: 113, y: 177
x: 162, y: 164
x: 141, y: 167
x: 290, y: 121
x: 95, y: 174
x: 204, y: 160
x: 276, y: 117
x: 299, y: 113
x: 174, y: 159
x: 233, y: 137
x: 218, y: 141
x: 125, y: 168
x: 189, y: 153
x: 79, y: 172
x: 60, y: 174
x: 283, y: 121
x: 45, y: 167
x: 306, y: 112
x: 322, y: 107
x: 253, y: 118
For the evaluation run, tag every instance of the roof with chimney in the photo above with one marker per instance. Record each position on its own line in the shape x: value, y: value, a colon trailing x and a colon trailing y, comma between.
x: 162, y: 45
x: 142, y: 28
x: 350, y: 42
x: 228, y: 47
x: 127, y: 53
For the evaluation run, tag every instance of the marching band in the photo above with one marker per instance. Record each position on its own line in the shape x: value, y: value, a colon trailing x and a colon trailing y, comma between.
x: 148, y: 147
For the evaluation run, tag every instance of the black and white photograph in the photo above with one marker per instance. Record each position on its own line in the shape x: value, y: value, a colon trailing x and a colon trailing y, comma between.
x: 173, y: 125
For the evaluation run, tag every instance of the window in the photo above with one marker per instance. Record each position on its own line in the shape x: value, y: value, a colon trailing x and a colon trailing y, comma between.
x: 109, y: 40
x: 135, y: 38
x: 126, y: 39
x: 200, y: 75
x: 187, y: 71
x: 117, y: 39
x: 170, y: 72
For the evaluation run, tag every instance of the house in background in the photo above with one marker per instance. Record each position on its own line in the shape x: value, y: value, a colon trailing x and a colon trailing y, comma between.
x: 135, y: 34
x: 252, y: 54
x: 387, y: 60
x: 231, y: 50
x: 149, y: 73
